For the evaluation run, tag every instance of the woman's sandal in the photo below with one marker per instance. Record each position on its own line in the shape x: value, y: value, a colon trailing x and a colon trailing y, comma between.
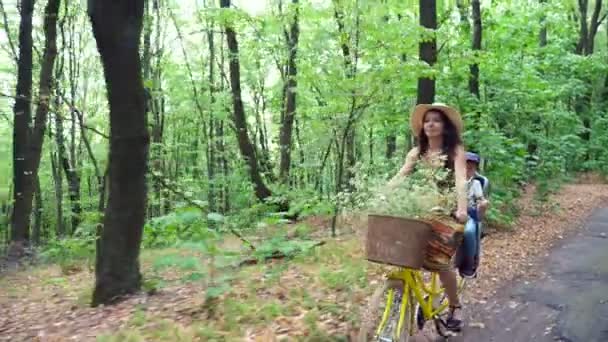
x: 452, y: 323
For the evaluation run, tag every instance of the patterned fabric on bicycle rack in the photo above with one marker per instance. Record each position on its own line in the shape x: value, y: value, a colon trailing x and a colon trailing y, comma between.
x: 442, y: 246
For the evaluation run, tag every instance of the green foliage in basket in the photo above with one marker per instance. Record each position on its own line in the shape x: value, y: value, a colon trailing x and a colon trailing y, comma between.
x: 427, y: 192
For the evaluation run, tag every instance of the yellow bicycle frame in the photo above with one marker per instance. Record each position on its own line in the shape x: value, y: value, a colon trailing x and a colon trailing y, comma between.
x: 414, y: 284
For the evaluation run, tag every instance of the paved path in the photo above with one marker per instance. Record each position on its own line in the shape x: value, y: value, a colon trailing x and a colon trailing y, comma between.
x: 569, y: 304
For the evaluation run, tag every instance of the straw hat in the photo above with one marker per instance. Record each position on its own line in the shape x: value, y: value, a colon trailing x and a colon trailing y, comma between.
x: 417, y: 117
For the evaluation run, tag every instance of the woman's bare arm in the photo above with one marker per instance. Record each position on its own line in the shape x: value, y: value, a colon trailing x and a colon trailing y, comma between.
x: 408, y: 166
x: 460, y: 166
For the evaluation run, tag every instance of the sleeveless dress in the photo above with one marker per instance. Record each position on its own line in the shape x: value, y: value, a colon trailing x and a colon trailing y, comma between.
x: 447, y: 234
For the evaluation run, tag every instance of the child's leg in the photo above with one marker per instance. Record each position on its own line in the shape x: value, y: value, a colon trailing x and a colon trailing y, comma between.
x: 470, y: 247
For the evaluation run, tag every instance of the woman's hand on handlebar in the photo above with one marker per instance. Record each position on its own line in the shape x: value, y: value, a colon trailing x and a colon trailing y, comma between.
x: 461, y: 216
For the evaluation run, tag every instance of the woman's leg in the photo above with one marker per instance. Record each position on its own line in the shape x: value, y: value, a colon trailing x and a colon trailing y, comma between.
x: 450, y: 283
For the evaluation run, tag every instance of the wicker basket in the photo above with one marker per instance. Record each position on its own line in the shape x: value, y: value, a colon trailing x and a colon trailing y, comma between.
x: 411, y: 243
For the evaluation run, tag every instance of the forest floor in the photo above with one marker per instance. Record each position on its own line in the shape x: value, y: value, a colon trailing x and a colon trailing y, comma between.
x: 315, y: 296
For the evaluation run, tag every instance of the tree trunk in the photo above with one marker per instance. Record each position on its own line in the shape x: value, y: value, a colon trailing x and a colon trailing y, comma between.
x: 605, y: 92
x: 22, y: 177
x: 351, y: 160
x: 73, y: 190
x: 260, y: 133
x: 98, y: 176
x: 211, y: 148
x: 44, y: 94
x: 585, y: 47
x: 463, y: 10
x: 391, y: 137
x: 221, y: 151
x: 117, y: 28
x: 262, y: 192
x: 147, y: 56
x: 38, y: 207
x: 477, y: 30
x: 542, y: 36
x: 391, y: 145
x: 301, y: 151
x: 536, y: 119
x: 581, y: 46
x: 428, y: 50
x: 370, y: 142
x: 350, y: 70
x: 147, y: 73
x: 158, y: 116
x: 285, y: 135
x: 221, y: 143
x: 586, y: 43
x: 71, y: 162
x: 57, y: 179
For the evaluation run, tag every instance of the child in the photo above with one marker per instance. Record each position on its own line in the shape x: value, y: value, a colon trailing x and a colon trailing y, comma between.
x: 475, y: 197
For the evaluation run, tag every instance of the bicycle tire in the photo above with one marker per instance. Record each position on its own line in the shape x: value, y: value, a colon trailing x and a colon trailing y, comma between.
x: 373, y: 312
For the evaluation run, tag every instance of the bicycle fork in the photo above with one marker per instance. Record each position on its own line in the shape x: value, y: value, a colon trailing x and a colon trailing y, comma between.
x: 394, y: 312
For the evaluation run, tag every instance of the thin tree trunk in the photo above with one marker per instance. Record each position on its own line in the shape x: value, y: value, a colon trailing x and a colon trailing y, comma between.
x: 117, y: 28
x: 221, y: 149
x: 73, y: 190
x: 57, y: 180
x: 585, y: 47
x: 22, y: 207
x: 319, y: 178
x: 87, y: 143
x: 463, y: 10
x: 262, y: 192
x: 345, y: 147
x: 301, y: 151
x: 391, y: 145
x: 370, y: 143
x: 38, y: 206
x: 158, y: 116
x: 211, y: 150
x: 44, y: 94
x: 542, y: 36
x: 605, y: 92
x: 428, y: 50
x: 221, y: 143
x: 391, y: 138
x: 147, y: 55
x: 261, y: 134
x: 195, y: 96
x: 536, y: 119
x: 477, y: 32
x: 147, y: 73
x: 285, y: 135
x: 69, y: 158
x: 350, y: 66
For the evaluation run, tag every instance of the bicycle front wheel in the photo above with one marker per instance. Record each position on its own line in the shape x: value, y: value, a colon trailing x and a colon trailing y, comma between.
x: 388, y: 315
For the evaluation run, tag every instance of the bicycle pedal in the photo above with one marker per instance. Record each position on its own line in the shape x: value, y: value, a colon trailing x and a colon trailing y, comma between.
x: 450, y: 333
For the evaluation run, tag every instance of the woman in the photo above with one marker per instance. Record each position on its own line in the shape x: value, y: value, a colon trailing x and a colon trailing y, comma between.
x: 438, y: 129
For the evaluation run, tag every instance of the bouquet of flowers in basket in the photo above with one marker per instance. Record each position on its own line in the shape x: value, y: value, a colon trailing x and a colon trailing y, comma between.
x: 417, y: 196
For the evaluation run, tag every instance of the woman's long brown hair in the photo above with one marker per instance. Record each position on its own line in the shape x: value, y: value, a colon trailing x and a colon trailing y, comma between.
x: 451, y: 139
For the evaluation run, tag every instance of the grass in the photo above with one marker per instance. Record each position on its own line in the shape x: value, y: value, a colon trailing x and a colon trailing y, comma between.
x: 307, y: 296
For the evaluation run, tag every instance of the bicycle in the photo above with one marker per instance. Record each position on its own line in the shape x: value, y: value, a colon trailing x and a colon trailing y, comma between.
x: 405, y: 301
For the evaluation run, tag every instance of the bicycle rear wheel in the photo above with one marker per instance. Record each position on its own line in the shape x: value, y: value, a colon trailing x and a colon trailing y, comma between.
x: 386, y: 318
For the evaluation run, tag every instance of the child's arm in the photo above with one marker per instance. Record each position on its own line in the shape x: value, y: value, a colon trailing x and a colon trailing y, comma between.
x: 479, y: 197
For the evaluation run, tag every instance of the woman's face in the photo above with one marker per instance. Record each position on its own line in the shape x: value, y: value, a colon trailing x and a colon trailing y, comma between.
x: 433, y: 124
